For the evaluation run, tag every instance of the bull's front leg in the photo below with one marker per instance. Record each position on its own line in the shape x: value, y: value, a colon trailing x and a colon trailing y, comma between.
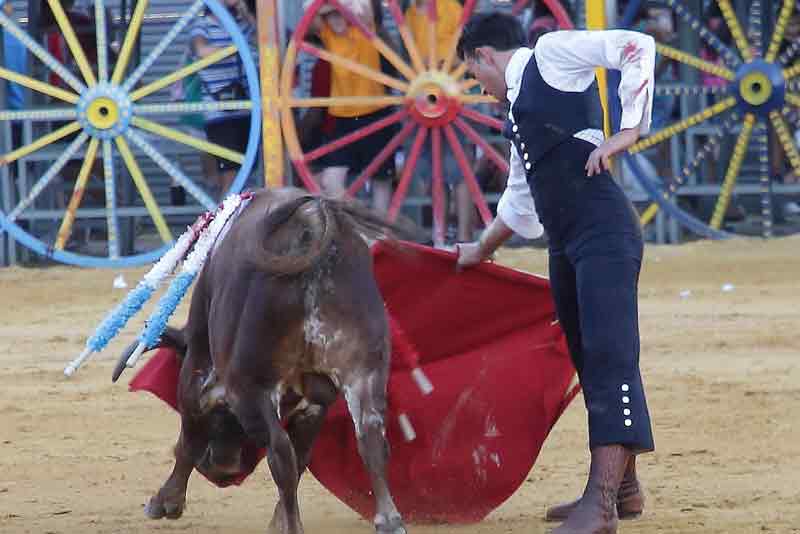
x: 170, y: 500
x: 258, y: 414
x: 366, y: 401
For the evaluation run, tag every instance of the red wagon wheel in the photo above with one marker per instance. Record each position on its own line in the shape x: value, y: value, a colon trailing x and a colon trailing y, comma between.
x: 431, y: 100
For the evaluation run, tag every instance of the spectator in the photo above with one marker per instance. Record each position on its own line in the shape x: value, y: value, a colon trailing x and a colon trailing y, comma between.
x: 15, y: 59
x: 342, y: 39
x: 448, y: 17
x: 225, y: 80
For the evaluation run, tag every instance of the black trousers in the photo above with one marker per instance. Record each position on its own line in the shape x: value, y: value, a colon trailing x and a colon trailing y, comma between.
x: 595, y: 257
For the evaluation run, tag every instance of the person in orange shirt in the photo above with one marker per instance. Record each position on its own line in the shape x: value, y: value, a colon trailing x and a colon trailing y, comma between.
x: 341, y: 38
x: 448, y: 18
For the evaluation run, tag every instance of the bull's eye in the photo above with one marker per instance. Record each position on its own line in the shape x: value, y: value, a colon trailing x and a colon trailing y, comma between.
x: 305, y: 237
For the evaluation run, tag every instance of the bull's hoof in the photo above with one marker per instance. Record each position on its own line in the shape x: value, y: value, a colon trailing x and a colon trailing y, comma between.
x: 391, y: 525
x: 158, y: 508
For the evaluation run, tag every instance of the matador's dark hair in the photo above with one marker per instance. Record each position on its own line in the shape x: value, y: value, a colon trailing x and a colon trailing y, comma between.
x: 499, y: 30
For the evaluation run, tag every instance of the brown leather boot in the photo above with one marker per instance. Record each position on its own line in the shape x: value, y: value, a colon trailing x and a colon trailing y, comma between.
x: 630, y: 499
x: 597, y: 511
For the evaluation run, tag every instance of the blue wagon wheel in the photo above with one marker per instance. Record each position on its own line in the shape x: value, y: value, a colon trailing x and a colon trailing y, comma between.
x: 756, y: 96
x: 111, y: 113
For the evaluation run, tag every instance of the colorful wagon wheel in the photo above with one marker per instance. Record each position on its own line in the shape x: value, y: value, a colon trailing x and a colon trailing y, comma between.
x: 430, y: 101
x: 115, y: 113
x: 755, y: 89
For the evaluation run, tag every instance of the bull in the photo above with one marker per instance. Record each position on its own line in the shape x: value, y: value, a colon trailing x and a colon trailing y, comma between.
x: 285, y: 316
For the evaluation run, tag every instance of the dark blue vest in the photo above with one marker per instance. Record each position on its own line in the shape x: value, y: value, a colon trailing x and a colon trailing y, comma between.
x: 545, y: 117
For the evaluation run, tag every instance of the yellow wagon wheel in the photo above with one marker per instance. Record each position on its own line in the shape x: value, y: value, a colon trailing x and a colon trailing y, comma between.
x: 759, y: 90
x: 113, y: 111
x: 430, y: 100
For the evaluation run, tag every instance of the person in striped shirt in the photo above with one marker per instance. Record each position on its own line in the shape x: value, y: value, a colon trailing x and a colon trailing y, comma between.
x: 225, y: 80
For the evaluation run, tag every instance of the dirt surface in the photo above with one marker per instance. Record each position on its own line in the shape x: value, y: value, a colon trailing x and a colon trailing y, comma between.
x: 722, y: 371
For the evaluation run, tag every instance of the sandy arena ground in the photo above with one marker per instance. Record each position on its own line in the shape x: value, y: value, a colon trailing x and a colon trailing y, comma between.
x: 722, y: 370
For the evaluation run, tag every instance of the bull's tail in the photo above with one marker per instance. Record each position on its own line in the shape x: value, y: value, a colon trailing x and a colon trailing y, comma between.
x: 319, y: 221
x: 323, y: 222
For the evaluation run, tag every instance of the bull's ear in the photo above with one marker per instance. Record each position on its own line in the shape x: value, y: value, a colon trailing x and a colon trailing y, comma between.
x: 174, y: 338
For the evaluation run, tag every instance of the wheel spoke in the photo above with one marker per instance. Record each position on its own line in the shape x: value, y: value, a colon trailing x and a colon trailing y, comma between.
x: 102, y: 40
x: 144, y: 190
x: 48, y: 176
x: 433, y: 22
x: 36, y: 85
x: 39, y: 115
x: 195, y: 107
x: 408, y: 172
x: 127, y: 45
x: 183, y: 180
x: 162, y: 45
x: 676, y: 89
x: 392, y: 56
x: 735, y: 165
x: 355, y: 67
x: 490, y: 151
x: 762, y: 146
x: 793, y: 99
x: 785, y: 138
x: 477, y: 99
x: 466, y: 13
x: 686, y: 123
x: 459, y: 72
x: 792, y: 71
x: 110, y: 187
x: 712, y: 40
x: 182, y: 73
x: 357, y: 135
x: 37, y: 50
x: 692, y: 61
x: 381, y: 158
x: 42, y: 142
x: 437, y: 194
x: 790, y: 52
x: 469, y: 176
x: 705, y: 152
x: 188, y: 140
x: 65, y: 230
x: 481, y: 118
x: 72, y: 42
x: 406, y: 36
x: 780, y: 30
x: 754, y: 33
x: 736, y: 31
x: 648, y: 214
x: 468, y: 85
x: 325, y: 102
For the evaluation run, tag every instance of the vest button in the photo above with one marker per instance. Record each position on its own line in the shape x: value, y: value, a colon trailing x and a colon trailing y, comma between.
x: 515, y: 128
x: 528, y: 166
x: 525, y: 156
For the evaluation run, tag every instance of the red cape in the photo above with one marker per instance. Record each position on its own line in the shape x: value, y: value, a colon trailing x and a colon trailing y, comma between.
x: 501, y: 373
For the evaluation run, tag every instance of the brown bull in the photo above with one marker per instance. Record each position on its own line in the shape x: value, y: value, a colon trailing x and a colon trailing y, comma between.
x: 284, y: 316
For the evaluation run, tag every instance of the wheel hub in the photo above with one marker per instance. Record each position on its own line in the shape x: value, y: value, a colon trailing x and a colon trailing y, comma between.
x: 760, y: 87
x: 433, y: 99
x: 104, y: 111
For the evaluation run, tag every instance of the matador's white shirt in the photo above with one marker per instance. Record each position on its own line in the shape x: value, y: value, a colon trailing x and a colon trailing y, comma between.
x: 567, y: 61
